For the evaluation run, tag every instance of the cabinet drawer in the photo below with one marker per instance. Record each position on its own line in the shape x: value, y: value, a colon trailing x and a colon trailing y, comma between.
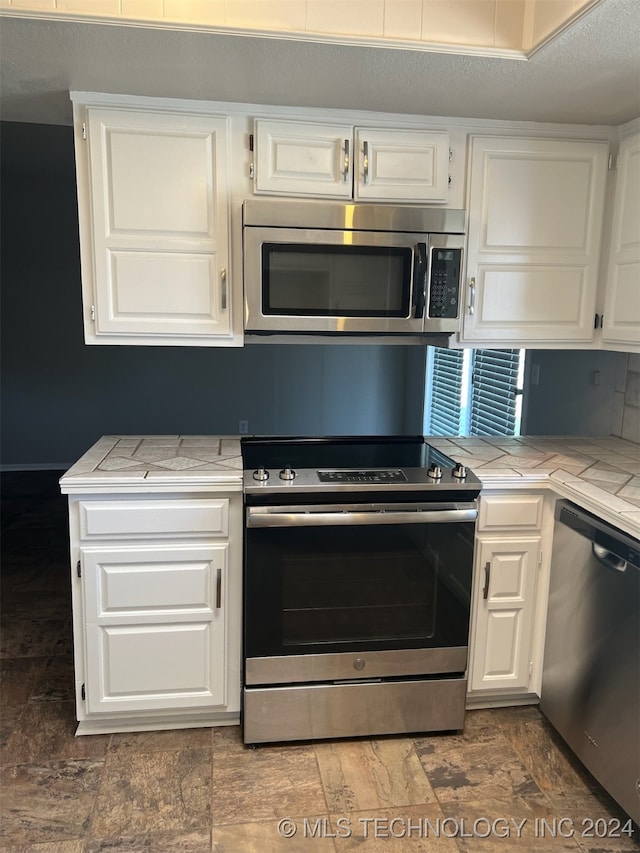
x: 502, y: 511
x: 169, y: 582
x: 146, y: 518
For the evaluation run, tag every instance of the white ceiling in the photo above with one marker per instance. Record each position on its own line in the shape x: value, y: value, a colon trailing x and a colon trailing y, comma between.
x: 590, y: 74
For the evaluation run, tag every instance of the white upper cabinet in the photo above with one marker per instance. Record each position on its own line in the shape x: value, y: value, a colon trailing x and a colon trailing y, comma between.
x: 153, y: 200
x: 403, y: 165
x: 535, y: 219
x: 303, y: 158
x: 323, y: 160
x: 621, y: 323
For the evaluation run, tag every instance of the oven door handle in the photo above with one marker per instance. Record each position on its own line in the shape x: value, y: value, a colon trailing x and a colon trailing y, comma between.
x: 285, y: 517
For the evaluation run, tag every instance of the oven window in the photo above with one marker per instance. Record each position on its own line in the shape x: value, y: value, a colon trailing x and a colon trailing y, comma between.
x: 328, y: 589
x: 336, y: 281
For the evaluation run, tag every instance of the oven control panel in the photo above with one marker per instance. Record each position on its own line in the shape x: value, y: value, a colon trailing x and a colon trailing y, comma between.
x: 372, y: 476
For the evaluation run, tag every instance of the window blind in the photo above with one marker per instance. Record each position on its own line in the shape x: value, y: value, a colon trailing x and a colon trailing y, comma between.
x: 446, y: 384
x: 493, y: 394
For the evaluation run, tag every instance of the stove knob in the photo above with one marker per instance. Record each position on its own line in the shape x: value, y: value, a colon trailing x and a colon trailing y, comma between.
x: 287, y: 473
x: 435, y: 472
x: 261, y: 474
x: 460, y: 471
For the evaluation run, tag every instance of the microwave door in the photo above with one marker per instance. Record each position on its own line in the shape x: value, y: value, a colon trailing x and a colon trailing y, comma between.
x: 333, y: 281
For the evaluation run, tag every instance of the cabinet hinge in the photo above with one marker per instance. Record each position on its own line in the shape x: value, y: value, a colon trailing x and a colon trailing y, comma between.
x: 93, y: 312
x: 79, y: 569
x: 612, y: 162
x: 450, y: 181
x: 251, y: 170
x: 83, y: 692
x: 530, y: 667
x: 84, y: 130
x: 450, y: 154
x: 540, y: 558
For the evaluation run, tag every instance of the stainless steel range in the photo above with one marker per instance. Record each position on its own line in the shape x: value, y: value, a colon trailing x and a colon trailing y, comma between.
x: 358, y: 570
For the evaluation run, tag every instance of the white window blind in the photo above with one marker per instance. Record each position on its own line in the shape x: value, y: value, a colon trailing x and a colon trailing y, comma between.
x: 494, y: 393
x: 446, y: 382
x: 474, y: 392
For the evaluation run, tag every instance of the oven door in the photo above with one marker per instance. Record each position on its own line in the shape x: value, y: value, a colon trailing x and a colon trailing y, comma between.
x: 357, y: 590
x: 310, y: 280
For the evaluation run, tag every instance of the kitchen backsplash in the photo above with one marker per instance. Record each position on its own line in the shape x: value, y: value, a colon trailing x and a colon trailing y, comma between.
x: 627, y: 401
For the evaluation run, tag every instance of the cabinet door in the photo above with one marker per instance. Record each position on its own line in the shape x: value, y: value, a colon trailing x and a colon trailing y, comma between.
x: 302, y: 158
x: 401, y: 165
x: 154, y: 627
x: 159, y: 210
x: 622, y: 305
x: 535, y: 217
x: 505, y: 601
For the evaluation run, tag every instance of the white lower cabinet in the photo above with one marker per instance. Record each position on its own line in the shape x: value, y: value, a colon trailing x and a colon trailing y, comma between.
x: 154, y: 626
x: 504, y: 614
x: 510, y: 583
x: 156, y: 611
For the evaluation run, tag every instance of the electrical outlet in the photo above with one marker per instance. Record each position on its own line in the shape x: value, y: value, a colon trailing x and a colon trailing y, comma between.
x: 243, y: 427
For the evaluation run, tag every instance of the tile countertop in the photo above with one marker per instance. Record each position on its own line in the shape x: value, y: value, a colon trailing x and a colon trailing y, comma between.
x: 602, y: 475
x: 157, y: 462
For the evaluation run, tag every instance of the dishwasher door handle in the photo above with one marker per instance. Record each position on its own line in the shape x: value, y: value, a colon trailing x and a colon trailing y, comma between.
x: 608, y: 558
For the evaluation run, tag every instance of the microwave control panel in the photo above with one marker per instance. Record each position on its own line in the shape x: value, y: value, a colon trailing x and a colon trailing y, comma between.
x: 444, y: 283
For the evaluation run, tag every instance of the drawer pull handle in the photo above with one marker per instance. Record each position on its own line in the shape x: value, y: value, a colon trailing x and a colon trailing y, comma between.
x: 487, y: 576
x: 218, y: 589
x: 472, y: 296
x: 346, y: 161
x: 223, y: 289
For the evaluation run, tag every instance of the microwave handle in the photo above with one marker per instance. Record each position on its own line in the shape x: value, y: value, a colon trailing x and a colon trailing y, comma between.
x: 419, y: 279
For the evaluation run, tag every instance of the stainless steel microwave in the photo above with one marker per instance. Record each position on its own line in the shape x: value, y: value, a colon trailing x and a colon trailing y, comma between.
x: 331, y: 267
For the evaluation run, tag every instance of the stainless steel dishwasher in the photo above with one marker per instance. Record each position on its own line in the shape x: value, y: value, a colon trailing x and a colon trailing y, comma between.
x: 591, y: 674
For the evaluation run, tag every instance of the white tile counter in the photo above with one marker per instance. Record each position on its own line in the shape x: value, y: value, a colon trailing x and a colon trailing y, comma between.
x: 600, y: 474
x: 157, y: 463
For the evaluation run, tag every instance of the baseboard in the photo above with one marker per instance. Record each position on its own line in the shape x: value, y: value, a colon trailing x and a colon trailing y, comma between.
x: 35, y: 466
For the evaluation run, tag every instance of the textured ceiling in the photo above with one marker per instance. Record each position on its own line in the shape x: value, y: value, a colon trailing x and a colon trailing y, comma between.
x: 590, y: 74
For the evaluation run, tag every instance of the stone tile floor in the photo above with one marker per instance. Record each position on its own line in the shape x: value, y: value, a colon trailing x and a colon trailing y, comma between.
x: 502, y: 784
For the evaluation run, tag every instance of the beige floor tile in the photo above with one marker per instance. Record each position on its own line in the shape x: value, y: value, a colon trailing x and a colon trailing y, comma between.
x: 18, y: 676
x: 289, y: 835
x: 478, y: 764
x: 73, y: 846
x: 506, y: 824
x: 256, y: 785
x: 56, y: 681
x: 163, y: 842
x: 372, y: 774
x: 502, y: 716
x: 154, y: 792
x: 416, y: 829
x: 47, y: 802
x: 45, y: 731
x: 162, y: 741
x: 583, y: 810
x: 544, y: 755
